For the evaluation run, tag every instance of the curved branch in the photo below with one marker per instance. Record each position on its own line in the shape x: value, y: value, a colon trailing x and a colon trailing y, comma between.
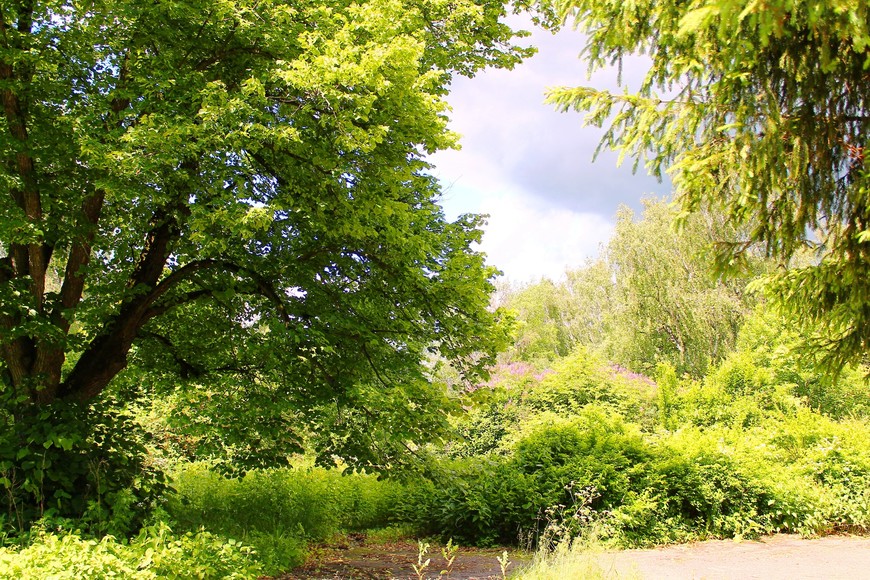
x: 175, y: 302
x: 177, y: 277
x: 107, y: 354
x: 374, y: 367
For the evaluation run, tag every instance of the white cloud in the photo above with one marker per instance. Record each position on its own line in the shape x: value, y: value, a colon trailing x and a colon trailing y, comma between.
x: 529, y: 241
x: 531, y: 168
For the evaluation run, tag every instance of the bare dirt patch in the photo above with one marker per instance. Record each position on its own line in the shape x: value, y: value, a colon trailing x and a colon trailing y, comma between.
x: 354, y: 559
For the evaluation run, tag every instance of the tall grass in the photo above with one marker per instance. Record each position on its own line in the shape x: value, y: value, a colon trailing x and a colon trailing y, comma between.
x: 278, y: 511
x: 578, y: 560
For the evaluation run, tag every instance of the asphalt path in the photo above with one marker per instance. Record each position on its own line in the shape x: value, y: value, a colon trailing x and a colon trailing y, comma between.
x: 785, y: 557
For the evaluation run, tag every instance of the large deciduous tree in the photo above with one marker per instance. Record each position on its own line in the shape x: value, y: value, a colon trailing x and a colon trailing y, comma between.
x: 761, y: 108
x: 671, y: 306
x: 237, y: 187
x: 553, y: 318
x: 654, y: 296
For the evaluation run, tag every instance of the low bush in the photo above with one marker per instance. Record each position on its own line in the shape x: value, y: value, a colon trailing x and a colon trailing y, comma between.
x: 156, y: 552
x: 697, y: 490
x: 84, y: 462
x: 592, y: 449
x: 634, y: 489
x: 820, y: 469
x: 490, y: 500
x: 754, y: 472
x: 479, y: 501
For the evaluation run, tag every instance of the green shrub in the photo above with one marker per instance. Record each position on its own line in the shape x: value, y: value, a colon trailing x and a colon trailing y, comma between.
x: 701, y: 490
x: 313, y: 503
x: 738, y: 375
x: 155, y: 553
x: 76, y: 461
x: 366, y: 502
x: 642, y: 492
x: 845, y: 395
x: 800, y: 472
x: 476, y: 501
x: 489, y: 500
x: 593, y: 449
x: 823, y: 464
x: 737, y: 395
x: 779, y: 346
x: 275, y: 500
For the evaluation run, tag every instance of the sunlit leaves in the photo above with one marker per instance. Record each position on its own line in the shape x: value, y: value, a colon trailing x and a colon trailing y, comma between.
x: 231, y: 196
x: 759, y: 109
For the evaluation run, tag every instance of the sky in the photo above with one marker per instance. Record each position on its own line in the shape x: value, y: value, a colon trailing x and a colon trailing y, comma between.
x: 530, y: 167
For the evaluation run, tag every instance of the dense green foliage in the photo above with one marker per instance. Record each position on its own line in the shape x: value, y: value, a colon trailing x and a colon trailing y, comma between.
x: 223, y: 209
x: 759, y: 109
x: 154, y: 553
x: 651, y: 298
x: 83, y: 460
x: 221, y: 243
x: 256, y: 525
x: 578, y: 448
x: 228, y: 160
x: 731, y: 455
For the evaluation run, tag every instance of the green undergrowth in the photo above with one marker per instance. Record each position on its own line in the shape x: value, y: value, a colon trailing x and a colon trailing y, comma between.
x: 588, y: 448
x: 582, y: 454
x: 260, y: 524
x: 156, y: 552
x: 803, y: 474
x: 280, y: 511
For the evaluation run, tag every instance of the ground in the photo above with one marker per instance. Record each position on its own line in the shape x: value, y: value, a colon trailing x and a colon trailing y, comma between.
x: 771, y: 558
x: 356, y: 559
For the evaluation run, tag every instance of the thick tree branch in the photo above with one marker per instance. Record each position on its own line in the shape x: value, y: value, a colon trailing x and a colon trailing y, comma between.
x: 107, y: 354
x: 79, y: 255
x: 29, y: 260
x: 154, y: 254
x: 186, y: 368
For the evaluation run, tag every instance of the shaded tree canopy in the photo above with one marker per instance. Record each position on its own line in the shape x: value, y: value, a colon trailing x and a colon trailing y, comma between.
x: 760, y: 109
x: 236, y: 187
